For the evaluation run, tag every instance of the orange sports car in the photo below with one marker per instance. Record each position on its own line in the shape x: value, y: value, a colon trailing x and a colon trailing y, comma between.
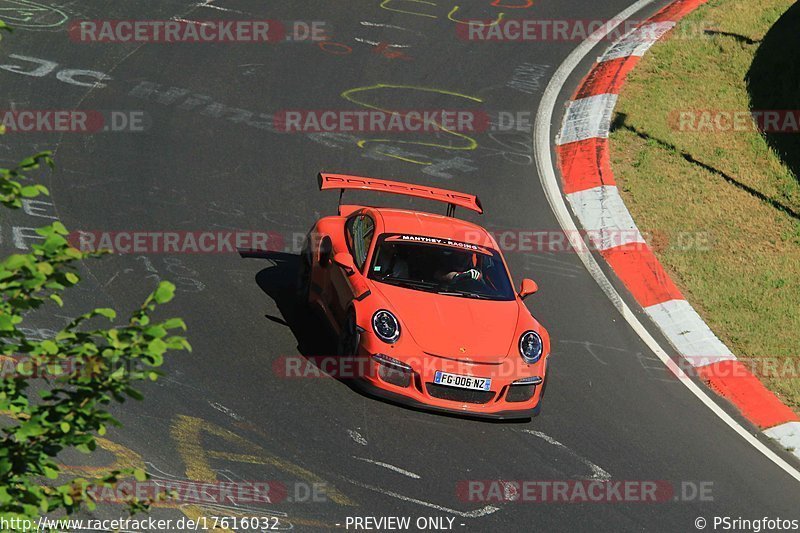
x: 425, y: 304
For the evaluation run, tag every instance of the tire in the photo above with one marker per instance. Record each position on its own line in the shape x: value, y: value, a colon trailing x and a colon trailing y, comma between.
x: 544, y: 382
x: 303, y: 283
x: 538, y: 407
x: 349, y: 339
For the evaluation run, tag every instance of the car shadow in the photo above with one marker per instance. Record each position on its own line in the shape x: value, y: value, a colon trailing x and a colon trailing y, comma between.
x: 315, y: 339
x: 278, y: 281
x: 773, y: 82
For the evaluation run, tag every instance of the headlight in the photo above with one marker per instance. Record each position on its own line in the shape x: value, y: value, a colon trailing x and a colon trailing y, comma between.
x: 530, y: 347
x: 386, y: 326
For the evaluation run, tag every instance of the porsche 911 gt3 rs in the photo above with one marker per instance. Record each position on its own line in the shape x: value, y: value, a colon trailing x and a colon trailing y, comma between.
x: 426, y: 302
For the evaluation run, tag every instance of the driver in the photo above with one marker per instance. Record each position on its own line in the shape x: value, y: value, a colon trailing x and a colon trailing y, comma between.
x: 459, y: 265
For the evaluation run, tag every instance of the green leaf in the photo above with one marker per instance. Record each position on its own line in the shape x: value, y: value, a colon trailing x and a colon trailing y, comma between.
x: 45, y: 268
x: 16, y: 261
x: 6, y: 324
x: 30, y: 191
x: 60, y: 228
x: 65, y: 427
x: 139, y: 474
x: 49, y: 347
x: 106, y: 312
x: 164, y: 292
x: 157, y: 346
x: 155, y: 331
x: 133, y: 393
x: 174, y: 323
x: 50, y: 473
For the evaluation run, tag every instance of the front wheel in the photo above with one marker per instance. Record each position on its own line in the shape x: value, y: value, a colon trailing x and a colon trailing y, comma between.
x: 538, y: 407
x: 303, y: 283
x: 349, y: 338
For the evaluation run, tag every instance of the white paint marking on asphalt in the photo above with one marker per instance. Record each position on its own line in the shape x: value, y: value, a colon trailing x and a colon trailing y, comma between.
x: 379, y: 25
x: 388, y: 466
x: 478, y: 513
x: 356, y: 436
x: 187, y: 21
x: 376, y: 43
x: 549, y: 181
x: 597, y: 472
x: 527, y: 77
x: 209, y: 4
x: 222, y: 409
x: 153, y: 468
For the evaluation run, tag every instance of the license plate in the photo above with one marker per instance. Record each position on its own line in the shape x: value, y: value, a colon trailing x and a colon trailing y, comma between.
x: 462, y: 382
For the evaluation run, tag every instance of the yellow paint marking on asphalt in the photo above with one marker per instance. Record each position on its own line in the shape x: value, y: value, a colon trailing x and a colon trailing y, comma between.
x: 473, y: 22
x: 188, y: 431
x: 471, y: 144
x: 124, y: 458
x: 385, y: 5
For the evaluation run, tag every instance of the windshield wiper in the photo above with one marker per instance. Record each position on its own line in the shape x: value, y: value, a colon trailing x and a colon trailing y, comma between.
x: 463, y: 293
x: 410, y: 283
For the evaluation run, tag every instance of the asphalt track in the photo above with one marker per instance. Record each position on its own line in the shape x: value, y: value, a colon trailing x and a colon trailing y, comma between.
x: 221, y: 411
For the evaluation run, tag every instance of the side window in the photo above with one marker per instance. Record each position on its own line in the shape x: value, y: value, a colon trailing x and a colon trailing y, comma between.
x: 360, y: 231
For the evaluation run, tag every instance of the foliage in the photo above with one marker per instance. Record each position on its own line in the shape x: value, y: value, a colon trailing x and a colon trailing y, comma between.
x: 56, y: 393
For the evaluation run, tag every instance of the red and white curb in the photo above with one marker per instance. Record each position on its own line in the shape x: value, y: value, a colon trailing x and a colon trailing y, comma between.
x: 589, y: 186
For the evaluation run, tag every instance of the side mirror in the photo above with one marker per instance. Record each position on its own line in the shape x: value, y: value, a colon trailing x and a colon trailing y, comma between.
x: 345, y: 262
x: 528, y: 287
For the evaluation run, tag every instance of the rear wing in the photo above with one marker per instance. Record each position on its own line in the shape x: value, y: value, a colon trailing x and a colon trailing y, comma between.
x: 453, y: 199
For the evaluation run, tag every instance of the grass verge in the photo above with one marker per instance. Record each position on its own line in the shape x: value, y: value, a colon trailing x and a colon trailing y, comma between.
x: 722, y: 199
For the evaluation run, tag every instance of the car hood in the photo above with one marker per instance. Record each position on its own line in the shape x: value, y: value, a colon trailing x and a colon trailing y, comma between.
x: 455, y: 327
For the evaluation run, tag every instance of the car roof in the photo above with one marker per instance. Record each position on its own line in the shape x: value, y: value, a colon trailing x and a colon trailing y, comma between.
x: 432, y: 225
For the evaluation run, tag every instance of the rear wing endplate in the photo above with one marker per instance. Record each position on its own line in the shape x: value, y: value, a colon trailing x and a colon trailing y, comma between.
x: 453, y: 199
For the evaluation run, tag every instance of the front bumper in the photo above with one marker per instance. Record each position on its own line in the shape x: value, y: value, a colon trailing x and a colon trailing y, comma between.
x: 369, y: 388
x: 504, y: 401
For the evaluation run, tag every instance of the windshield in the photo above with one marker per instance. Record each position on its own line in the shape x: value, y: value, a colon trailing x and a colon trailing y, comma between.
x: 442, y: 266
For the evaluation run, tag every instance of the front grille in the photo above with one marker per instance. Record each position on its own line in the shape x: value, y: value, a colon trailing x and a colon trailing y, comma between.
x: 454, y: 394
x: 394, y: 376
x: 520, y: 393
